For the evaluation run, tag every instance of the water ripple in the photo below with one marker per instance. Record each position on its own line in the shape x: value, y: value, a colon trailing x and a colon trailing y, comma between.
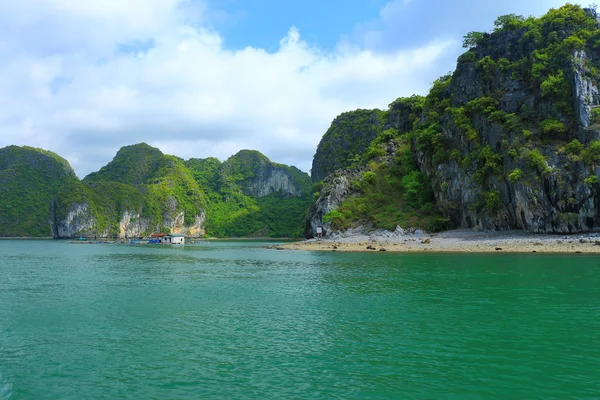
x: 230, y: 321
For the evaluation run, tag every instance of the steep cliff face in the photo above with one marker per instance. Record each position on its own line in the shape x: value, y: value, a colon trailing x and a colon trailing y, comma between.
x: 80, y: 221
x: 337, y: 187
x: 271, y: 179
x: 346, y: 139
x: 29, y: 179
x: 510, y: 140
x: 257, y: 176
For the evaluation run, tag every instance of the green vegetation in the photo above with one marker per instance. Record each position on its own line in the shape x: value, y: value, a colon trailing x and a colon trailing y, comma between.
x: 29, y: 179
x: 591, y: 180
x: 506, y: 114
x: 349, y: 134
x: 158, y: 189
x: 516, y: 175
x: 591, y: 154
x: 236, y: 209
x: 391, y: 195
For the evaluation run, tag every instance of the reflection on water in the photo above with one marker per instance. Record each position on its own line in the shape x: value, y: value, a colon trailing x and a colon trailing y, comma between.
x: 237, y: 320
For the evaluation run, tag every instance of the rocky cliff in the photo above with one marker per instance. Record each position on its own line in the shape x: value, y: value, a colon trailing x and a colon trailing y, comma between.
x: 258, y: 176
x: 514, y: 144
x: 511, y: 139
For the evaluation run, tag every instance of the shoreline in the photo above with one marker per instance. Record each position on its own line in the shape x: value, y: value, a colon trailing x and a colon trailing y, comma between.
x: 455, y: 241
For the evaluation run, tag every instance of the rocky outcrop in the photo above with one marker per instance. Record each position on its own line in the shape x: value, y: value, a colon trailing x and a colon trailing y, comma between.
x: 550, y: 197
x: 80, y: 221
x: 348, y: 136
x: 133, y: 224
x: 511, y: 139
x: 336, y: 188
x: 257, y: 176
x: 272, y: 179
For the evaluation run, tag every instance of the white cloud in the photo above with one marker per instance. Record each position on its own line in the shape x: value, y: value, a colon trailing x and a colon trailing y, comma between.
x: 67, y: 87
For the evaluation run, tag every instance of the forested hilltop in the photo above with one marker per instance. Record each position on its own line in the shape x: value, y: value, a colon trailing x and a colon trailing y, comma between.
x: 142, y: 191
x: 29, y: 179
x: 510, y: 139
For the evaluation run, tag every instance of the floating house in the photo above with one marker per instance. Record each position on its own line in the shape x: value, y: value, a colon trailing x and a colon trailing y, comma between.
x: 174, y: 238
x: 164, y: 238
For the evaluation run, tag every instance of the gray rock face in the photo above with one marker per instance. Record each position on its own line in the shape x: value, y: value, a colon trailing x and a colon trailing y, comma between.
x: 586, y: 92
x: 502, y: 168
x: 80, y: 221
x: 336, y: 188
x: 556, y: 200
x: 272, y: 179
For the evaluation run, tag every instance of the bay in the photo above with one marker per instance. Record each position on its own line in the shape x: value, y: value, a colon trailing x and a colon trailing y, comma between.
x: 236, y: 320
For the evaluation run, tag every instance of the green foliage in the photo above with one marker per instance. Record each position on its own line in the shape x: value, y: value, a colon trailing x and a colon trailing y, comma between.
x: 591, y: 180
x: 508, y: 22
x: 554, y: 85
x: 492, y: 200
x: 553, y: 128
x: 515, y: 175
x: 595, y: 115
x: 332, y: 216
x: 490, y: 163
x: 472, y: 39
x: 512, y: 123
x: 316, y: 187
x: 397, y: 195
x: 416, y: 189
x: 30, y: 178
x: 485, y: 105
x: 135, y: 165
x: 487, y: 64
x: 537, y: 160
x: 437, y: 93
x: 170, y: 186
x: 591, y: 154
x: 233, y: 209
x: 274, y: 215
x: 368, y: 178
x: 574, y: 147
x: 377, y: 146
x: 467, y: 57
x: 350, y: 133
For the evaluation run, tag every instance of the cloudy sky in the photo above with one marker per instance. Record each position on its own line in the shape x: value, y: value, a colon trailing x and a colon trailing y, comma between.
x: 200, y: 78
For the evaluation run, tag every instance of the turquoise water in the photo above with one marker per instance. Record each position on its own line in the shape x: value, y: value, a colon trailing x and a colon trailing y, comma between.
x: 234, y: 320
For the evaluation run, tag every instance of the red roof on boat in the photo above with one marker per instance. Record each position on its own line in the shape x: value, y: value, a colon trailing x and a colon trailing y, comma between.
x: 158, y: 234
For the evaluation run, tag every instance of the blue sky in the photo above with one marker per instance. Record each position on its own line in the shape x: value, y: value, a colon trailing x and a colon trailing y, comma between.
x: 261, y: 23
x: 200, y: 78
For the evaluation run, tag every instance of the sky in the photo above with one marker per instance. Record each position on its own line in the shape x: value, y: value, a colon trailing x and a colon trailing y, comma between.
x: 207, y: 78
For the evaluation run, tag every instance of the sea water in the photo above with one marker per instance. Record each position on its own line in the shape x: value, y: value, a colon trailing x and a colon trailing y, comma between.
x: 237, y: 320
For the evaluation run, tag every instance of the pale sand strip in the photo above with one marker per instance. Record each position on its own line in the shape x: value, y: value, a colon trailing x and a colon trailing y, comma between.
x: 457, y: 241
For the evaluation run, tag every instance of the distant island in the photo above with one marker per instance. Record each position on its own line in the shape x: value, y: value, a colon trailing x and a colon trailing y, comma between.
x: 142, y: 191
x: 509, y: 140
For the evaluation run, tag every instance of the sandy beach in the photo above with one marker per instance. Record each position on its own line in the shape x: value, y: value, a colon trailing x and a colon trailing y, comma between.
x: 463, y: 240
